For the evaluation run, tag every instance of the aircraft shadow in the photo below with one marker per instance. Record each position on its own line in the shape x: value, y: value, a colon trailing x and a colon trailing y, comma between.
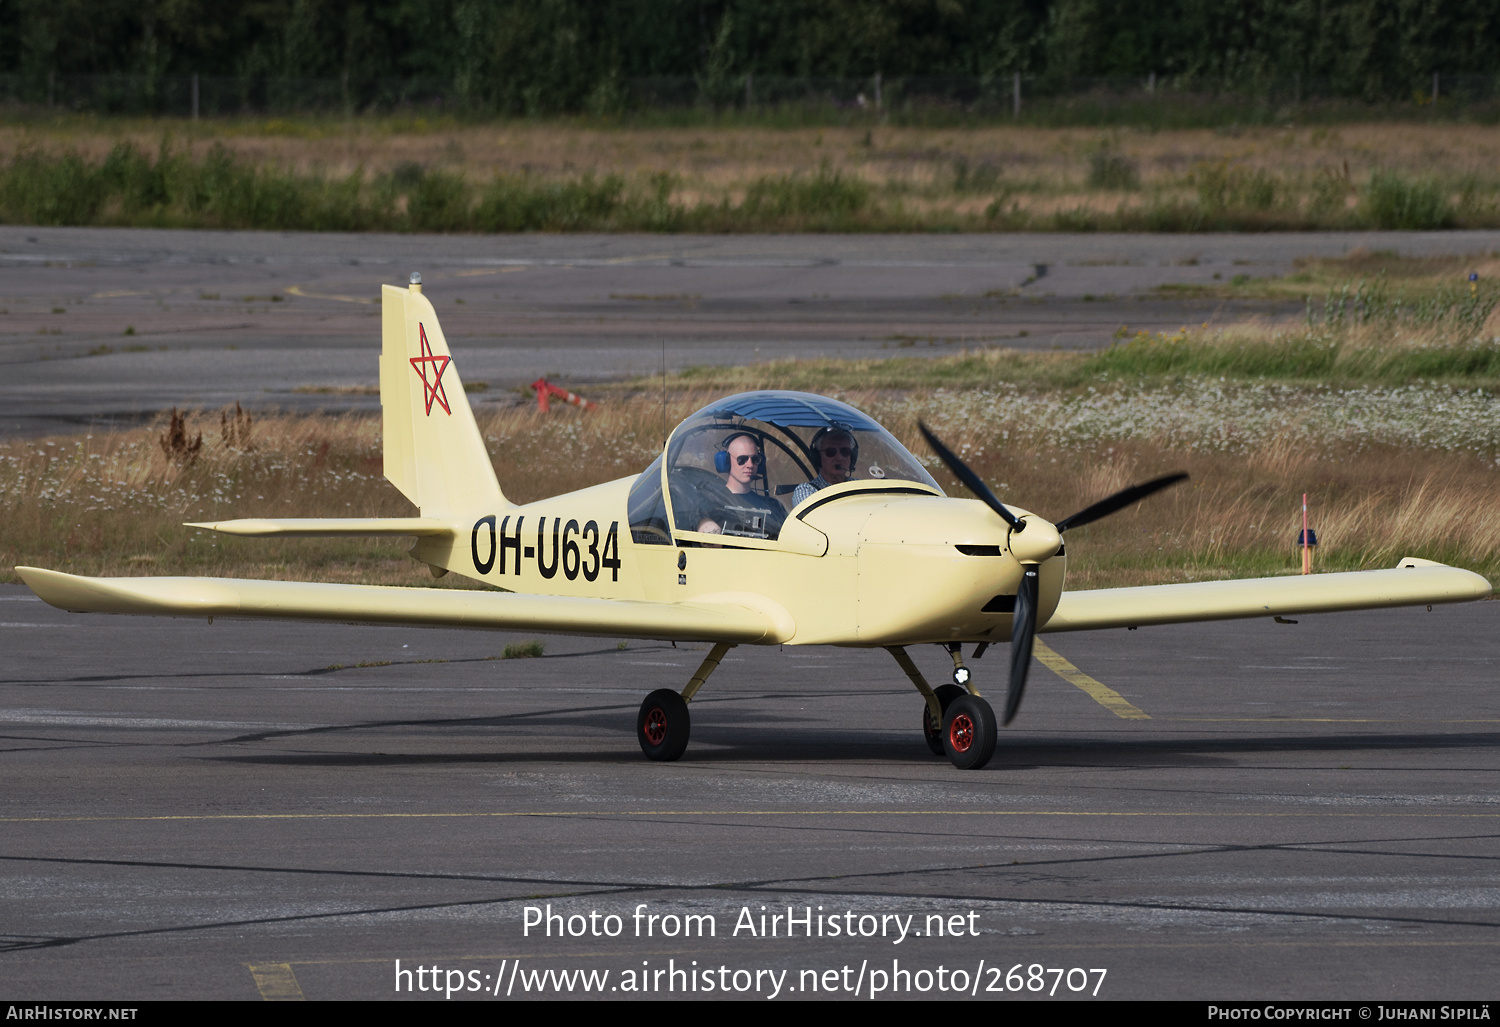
x: 720, y: 745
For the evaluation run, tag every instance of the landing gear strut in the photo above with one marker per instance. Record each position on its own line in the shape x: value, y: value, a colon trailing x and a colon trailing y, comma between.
x: 955, y: 723
x: 663, y: 725
x: 961, y: 673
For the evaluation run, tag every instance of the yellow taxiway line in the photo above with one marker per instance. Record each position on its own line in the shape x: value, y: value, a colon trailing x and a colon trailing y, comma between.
x: 1331, y: 720
x: 296, y: 290
x: 276, y: 982
x: 1101, y: 693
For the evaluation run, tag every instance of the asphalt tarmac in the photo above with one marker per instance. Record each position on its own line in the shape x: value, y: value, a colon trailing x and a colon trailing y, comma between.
x: 255, y: 809
x: 114, y: 325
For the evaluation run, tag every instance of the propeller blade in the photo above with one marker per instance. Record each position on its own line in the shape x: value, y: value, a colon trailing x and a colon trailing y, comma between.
x: 1022, y: 635
x: 1119, y: 501
x: 971, y: 480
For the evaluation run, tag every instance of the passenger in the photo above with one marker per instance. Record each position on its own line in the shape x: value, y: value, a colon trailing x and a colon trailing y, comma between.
x: 834, y: 452
x: 750, y: 514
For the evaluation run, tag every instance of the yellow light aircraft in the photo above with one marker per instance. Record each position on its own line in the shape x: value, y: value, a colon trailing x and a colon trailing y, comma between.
x: 769, y: 518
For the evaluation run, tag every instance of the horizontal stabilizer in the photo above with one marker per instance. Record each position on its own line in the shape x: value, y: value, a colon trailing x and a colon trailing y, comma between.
x: 328, y: 527
x: 705, y: 620
x: 1412, y: 583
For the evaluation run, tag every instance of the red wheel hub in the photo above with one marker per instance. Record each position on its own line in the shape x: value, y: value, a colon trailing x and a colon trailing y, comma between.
x: 961, y: 733
x: 656, y: 725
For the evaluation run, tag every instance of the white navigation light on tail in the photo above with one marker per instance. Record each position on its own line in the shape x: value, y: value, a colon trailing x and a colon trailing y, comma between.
x: 733, y: 535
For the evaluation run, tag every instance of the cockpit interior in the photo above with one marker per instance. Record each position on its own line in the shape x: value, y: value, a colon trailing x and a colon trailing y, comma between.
x: 741, y: 466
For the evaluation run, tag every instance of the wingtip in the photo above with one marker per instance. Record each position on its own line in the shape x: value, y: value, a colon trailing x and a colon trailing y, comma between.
x: 54, y: 588
x: 29, y: 574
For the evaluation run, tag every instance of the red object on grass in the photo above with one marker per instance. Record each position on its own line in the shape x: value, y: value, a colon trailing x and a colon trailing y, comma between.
x: 544, y: 388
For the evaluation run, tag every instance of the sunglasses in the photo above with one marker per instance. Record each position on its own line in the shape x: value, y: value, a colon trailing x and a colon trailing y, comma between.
x: 748, y: 458
x: 837, y: 451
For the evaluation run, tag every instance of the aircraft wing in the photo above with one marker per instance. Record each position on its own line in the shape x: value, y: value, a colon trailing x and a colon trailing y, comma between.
x: 327, y: 527
x: 726, y: 617
x: 1412, y: 583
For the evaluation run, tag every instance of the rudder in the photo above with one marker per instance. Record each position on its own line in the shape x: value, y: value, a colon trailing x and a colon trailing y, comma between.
x: 433, y: 450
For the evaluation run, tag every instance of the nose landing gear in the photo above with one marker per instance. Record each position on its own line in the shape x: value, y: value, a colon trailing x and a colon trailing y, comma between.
x: 956, y: 723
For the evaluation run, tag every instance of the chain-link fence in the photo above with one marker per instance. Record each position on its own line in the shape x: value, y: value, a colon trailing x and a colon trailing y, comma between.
x: 1043, y: 99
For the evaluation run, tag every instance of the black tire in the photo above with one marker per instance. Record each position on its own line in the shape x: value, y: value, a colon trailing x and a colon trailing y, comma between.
x: 663, y: 726
x: 933, y: 732
x: 969, y: 732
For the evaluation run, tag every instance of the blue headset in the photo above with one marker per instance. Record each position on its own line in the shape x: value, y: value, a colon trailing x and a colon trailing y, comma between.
x: 721, y: 458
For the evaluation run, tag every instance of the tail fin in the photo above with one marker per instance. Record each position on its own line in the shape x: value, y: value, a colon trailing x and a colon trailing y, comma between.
x: 434, y: 452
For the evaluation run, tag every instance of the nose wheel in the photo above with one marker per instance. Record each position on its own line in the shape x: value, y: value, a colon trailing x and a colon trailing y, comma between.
x: 932, y: 731
x: 969, y: 732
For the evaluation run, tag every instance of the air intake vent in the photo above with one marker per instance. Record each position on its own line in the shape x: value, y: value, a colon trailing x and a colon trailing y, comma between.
x: 1000, y: 604
x: 979, y: 550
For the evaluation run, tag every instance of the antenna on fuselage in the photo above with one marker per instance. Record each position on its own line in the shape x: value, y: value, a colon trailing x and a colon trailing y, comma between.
x: 664, y: 393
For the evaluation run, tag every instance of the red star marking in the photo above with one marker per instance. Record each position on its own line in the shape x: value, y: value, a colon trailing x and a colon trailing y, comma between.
x: 432, y: 390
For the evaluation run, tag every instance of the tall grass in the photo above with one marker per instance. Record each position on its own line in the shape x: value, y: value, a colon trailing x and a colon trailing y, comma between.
x: 861, y: 189
x: 220, y: 190
x: 521, y: 204
x: 1109, y: 170
x: 826, y: 196
x: 1363, y: 334
x: 1335, y: 355
x: 1394, y: 201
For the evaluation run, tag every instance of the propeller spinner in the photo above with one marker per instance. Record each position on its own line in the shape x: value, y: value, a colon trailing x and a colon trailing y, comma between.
x: 1032, y: 541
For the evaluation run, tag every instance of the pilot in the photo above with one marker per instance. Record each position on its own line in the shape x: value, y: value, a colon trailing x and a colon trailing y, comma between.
x: 833, y: 454
x: 749, y: 513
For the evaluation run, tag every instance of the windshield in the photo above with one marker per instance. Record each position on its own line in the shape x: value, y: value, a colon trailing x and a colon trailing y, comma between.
x: 739, y: 466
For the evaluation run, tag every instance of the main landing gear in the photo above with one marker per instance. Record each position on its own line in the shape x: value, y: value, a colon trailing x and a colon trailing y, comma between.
x: 663, y: 725
x: 956, y: 722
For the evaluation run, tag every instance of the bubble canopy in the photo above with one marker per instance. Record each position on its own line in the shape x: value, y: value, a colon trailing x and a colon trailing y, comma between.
x: 741, y: 465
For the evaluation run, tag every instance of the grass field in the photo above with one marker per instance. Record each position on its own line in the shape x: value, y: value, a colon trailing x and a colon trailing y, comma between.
x: 576, y: 175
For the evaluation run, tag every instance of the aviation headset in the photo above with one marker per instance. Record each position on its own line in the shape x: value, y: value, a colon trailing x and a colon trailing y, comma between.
x: 721, y: 458
x: 824, y: 434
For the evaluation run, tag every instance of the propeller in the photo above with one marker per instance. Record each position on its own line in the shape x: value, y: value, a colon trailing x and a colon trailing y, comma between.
x: 973, y: 482
x: 1042, y: 544
x: 1119, y: 501
x: 1022, y: 636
